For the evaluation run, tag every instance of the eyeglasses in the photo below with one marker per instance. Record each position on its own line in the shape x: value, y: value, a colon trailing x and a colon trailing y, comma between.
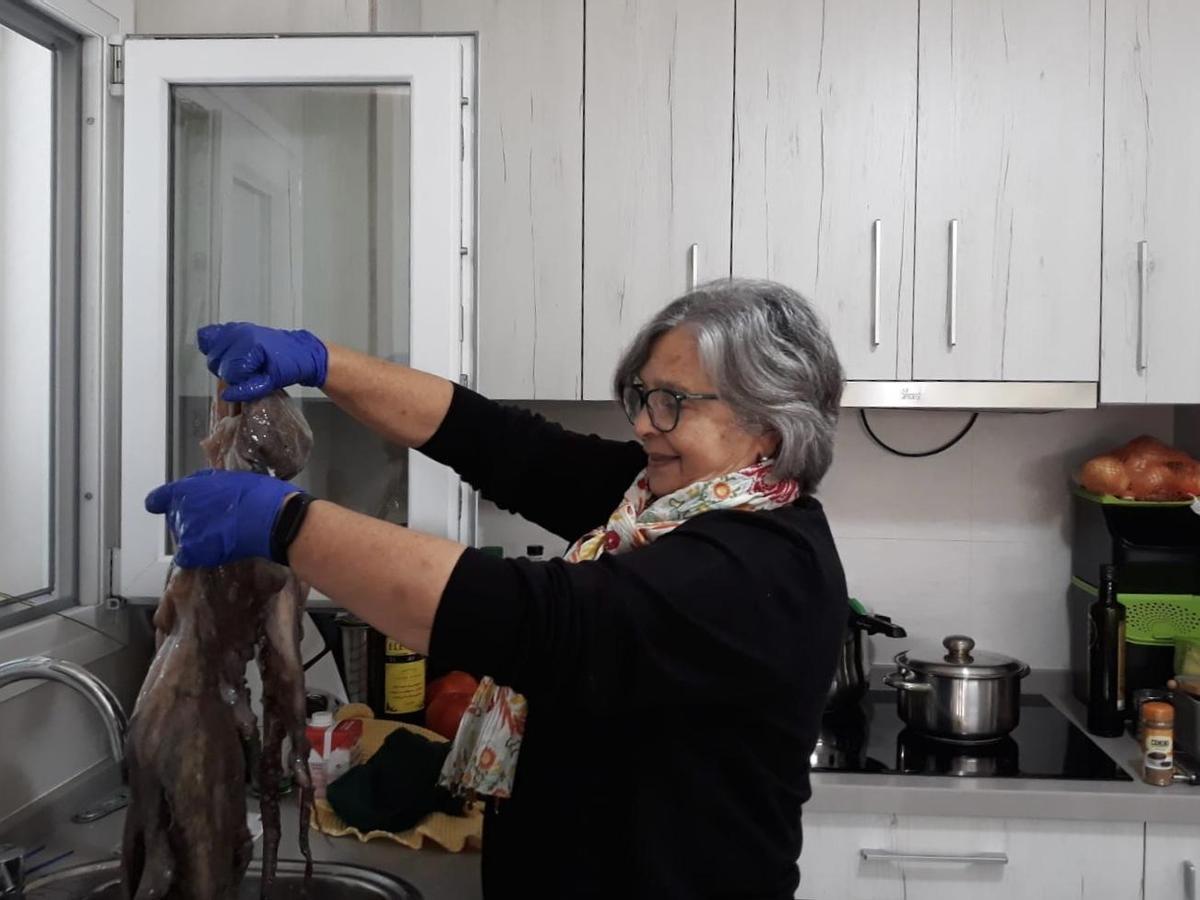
x: 663, y: 404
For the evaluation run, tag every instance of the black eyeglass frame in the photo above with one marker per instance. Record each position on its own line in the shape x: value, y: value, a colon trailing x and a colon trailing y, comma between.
x: 644, y: 395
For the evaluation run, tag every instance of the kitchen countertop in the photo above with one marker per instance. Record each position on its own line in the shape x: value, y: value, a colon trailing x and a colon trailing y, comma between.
x: 1015, y: 798
x: 455, y: 876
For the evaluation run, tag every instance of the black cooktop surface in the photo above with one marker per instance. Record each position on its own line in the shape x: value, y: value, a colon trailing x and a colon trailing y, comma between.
x: 871, y: 737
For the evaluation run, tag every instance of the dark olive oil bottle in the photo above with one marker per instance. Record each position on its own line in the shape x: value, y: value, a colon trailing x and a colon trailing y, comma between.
x: 1106, y: 659
x: 397, y: 688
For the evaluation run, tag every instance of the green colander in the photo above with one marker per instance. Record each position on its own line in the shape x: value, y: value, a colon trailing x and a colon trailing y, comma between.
x: 1156, y: 619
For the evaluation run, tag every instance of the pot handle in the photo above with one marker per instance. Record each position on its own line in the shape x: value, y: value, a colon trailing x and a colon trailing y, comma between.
x: 899, y: 682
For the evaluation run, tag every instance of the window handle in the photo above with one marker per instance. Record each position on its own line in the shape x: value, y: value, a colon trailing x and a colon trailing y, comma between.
x: 693, y: 266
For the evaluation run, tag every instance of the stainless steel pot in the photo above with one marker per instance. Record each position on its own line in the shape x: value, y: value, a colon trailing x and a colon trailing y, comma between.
x: 850, y: 680
x: 962, y: 696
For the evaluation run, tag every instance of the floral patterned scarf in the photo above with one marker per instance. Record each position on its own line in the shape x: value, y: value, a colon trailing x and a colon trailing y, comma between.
x: 483, y: 757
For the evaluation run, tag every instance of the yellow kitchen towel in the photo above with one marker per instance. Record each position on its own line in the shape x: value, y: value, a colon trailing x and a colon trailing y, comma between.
x: 453, y: 833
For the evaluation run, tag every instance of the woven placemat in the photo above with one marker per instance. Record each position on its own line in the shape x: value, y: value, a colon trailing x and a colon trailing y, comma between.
x: 453, y: 833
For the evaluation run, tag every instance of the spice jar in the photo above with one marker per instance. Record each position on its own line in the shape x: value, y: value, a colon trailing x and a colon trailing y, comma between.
x: 1158, y: 742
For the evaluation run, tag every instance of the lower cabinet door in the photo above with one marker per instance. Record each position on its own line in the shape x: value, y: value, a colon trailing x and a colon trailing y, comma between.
x: 881, y: 857
x: 1172, y: 862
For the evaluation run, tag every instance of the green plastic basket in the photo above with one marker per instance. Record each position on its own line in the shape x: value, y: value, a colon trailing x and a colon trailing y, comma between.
x: 1156, y: 619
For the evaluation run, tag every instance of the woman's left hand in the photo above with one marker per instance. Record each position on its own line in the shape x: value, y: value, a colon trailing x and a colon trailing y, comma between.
x: 218, y: 516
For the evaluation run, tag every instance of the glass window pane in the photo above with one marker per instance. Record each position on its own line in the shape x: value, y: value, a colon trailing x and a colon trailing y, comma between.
x: 26, y: 297
x: 291, y: 209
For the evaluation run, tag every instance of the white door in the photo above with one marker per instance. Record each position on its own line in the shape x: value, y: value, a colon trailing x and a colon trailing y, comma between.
x: 1009, y: 139
x: 657, y: 165
x: 530, y: 177
x: 302, y: 182
x: 825, y: 119
x: 1151, y: 204
x: 1172, y: 862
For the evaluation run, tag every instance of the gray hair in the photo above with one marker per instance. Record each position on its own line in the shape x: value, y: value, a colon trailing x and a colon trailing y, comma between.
x: 771, y: 360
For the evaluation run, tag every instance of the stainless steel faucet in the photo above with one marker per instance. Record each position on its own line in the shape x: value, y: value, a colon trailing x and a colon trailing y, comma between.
x: 43, y: 668
x: 116, y: 724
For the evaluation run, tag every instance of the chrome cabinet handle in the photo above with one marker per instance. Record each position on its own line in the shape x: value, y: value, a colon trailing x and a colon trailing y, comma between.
x: 877, y: 241
x: 953, y: 288
x: 998, y: 859
x: 693, y: 266
x: 1143, y: 264
x: 1189, y: 881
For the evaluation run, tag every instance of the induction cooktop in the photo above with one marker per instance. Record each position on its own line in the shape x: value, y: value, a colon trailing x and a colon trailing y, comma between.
x: 871, y: 737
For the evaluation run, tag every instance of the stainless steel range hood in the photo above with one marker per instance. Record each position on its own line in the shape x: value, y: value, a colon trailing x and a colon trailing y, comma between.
x: 975, y: 395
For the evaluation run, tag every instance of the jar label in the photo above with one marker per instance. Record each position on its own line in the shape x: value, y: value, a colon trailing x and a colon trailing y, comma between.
x: 395, y: 648
x: 404, y: 687
x: 1156, y: 743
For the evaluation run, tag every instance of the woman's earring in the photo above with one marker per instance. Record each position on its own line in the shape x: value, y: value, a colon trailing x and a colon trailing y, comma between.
x: 762, y: 457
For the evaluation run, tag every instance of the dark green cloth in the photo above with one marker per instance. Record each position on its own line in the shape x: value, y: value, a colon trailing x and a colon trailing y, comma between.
x: 396, y: 788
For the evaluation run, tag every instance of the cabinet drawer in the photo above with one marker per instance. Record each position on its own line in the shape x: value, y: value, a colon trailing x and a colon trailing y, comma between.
x: 880, y: 857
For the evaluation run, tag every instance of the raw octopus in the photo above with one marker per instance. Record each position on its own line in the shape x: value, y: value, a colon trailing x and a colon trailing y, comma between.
x: 193, y: 734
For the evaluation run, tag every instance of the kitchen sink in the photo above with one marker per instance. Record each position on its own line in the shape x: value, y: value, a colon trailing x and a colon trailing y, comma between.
x: 330, y: 881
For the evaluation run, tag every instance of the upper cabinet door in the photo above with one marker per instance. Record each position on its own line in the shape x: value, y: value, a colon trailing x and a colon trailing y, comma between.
x: 824, y: 166
x: 298, y: 182
x: 657, y: 164
x: 1009, y: 145
x: 1151, y: 204
x: 530, y: 223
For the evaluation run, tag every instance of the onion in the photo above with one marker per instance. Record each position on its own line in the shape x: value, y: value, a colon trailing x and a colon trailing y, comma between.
x: 1104, y: 475
x: 1150, y: 448
x: 1153, y: 481
x: 1186, y: 482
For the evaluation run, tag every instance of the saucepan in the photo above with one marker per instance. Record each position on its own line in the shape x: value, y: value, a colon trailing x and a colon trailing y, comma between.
x: 965, y: 695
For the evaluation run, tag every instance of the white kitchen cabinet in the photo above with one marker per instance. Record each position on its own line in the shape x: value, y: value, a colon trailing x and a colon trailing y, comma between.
x: 1151, y: 204
x: 1172, y: 862
x: 1009, y: 140
x: 950, y: 858
x: 269, y: 179
x: 658, y: 125
x: 824, y: 166
x: 530, y: 173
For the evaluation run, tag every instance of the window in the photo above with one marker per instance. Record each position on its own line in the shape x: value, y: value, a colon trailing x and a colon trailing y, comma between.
x: 323, y: 183
x: 39, y: 302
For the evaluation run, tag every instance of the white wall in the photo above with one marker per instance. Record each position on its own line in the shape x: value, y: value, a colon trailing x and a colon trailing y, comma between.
x: 974, y: 540
x: 26, y: 242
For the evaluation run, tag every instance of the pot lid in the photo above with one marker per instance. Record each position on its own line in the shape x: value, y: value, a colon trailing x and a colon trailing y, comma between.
x: 962, y: 660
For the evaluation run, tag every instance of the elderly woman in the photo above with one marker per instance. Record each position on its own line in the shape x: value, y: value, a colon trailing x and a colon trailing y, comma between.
x: 652, y: 698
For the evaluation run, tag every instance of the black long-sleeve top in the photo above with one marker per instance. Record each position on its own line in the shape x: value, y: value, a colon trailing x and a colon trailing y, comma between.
x: 675, y: 691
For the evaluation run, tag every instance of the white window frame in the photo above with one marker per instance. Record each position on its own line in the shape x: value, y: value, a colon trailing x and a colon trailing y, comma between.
x: 437, y: 68
x: 67, y: 45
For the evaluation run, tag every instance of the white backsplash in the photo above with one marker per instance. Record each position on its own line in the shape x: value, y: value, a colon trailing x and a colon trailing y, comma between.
x: 974, y: 540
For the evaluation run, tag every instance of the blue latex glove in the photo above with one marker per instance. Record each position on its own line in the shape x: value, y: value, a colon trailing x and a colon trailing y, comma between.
x: 219, y: 516
x: 256, y: 360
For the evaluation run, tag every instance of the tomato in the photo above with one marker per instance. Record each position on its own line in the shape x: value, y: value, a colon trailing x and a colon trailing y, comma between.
x: 445, y: 712
x: 451, y: 683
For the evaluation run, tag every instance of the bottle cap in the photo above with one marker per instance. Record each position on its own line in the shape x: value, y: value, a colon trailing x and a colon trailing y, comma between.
x: 321, y: 719
x: 1157, y: 711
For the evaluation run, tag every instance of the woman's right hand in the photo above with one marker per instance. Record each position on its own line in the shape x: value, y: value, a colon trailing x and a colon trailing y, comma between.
x: 255, y: 360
